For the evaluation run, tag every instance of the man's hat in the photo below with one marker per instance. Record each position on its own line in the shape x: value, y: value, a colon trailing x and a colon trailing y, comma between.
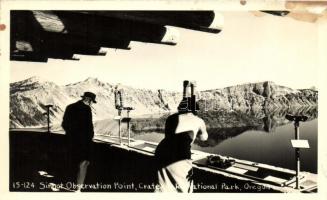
x: 90, y: 95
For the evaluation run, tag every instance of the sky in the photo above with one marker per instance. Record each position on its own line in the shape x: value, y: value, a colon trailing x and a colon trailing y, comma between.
x: 249, y: 49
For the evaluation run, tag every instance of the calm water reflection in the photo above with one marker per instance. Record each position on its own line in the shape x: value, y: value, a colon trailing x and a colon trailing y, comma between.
x: 271, y: 148
x: 264, y: 139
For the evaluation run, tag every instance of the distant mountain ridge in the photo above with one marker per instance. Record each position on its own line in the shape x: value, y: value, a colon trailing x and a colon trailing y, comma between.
x: 29, y: 97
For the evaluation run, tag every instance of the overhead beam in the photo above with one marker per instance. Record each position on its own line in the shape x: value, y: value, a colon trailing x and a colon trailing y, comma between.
x: 39, y: 35
x: 30, y: 42
x: 68, y: 43
x: 207, y: 21
x: 94, y: 26
x: 280, y: 13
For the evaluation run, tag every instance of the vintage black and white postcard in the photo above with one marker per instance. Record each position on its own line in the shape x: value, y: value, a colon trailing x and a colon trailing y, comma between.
x: 101, y: 98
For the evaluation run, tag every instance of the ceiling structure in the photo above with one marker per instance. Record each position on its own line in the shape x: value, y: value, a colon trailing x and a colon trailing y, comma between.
x: 39, y: 35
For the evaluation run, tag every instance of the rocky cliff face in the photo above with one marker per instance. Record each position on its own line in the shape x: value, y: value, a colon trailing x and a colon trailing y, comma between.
x: 258, y: 96
x: 29, y: 97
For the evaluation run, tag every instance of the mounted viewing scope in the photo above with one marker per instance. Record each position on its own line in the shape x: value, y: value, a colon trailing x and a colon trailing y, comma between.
x: 119, y: 101
x: 119, y: 105
x: 189, y: 90
x: 48, y: 115
x: 118, y: 98
x: 297, y: 144
x: 295, y: 118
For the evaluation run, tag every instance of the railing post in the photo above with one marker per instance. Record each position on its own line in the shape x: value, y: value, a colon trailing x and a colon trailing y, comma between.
x: 128, y: 128
x: 297, y: 154
x: 48, y: 117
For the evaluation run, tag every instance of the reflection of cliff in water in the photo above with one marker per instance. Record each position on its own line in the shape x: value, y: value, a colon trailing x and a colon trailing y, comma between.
x: 217, y: 135
x: 223, y: 125
x: 274, y: 118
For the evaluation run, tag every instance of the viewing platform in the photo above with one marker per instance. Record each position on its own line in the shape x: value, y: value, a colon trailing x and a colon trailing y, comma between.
x: 38, y: 163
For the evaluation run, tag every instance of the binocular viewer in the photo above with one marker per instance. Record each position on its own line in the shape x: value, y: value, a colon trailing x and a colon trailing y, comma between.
x: 295, y: 118
x: 189, y: 97
x: 189, y: 90
x: 119, y: 100
x: 297, y: 143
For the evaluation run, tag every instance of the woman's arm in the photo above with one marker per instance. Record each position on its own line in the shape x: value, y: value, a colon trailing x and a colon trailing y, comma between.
x: 202, y: 134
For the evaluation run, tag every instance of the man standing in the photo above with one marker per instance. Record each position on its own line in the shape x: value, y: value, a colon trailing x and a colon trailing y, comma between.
x: 78, y: 125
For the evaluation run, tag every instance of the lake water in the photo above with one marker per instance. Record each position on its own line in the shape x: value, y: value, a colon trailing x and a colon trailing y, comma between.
x: 259, y: 145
